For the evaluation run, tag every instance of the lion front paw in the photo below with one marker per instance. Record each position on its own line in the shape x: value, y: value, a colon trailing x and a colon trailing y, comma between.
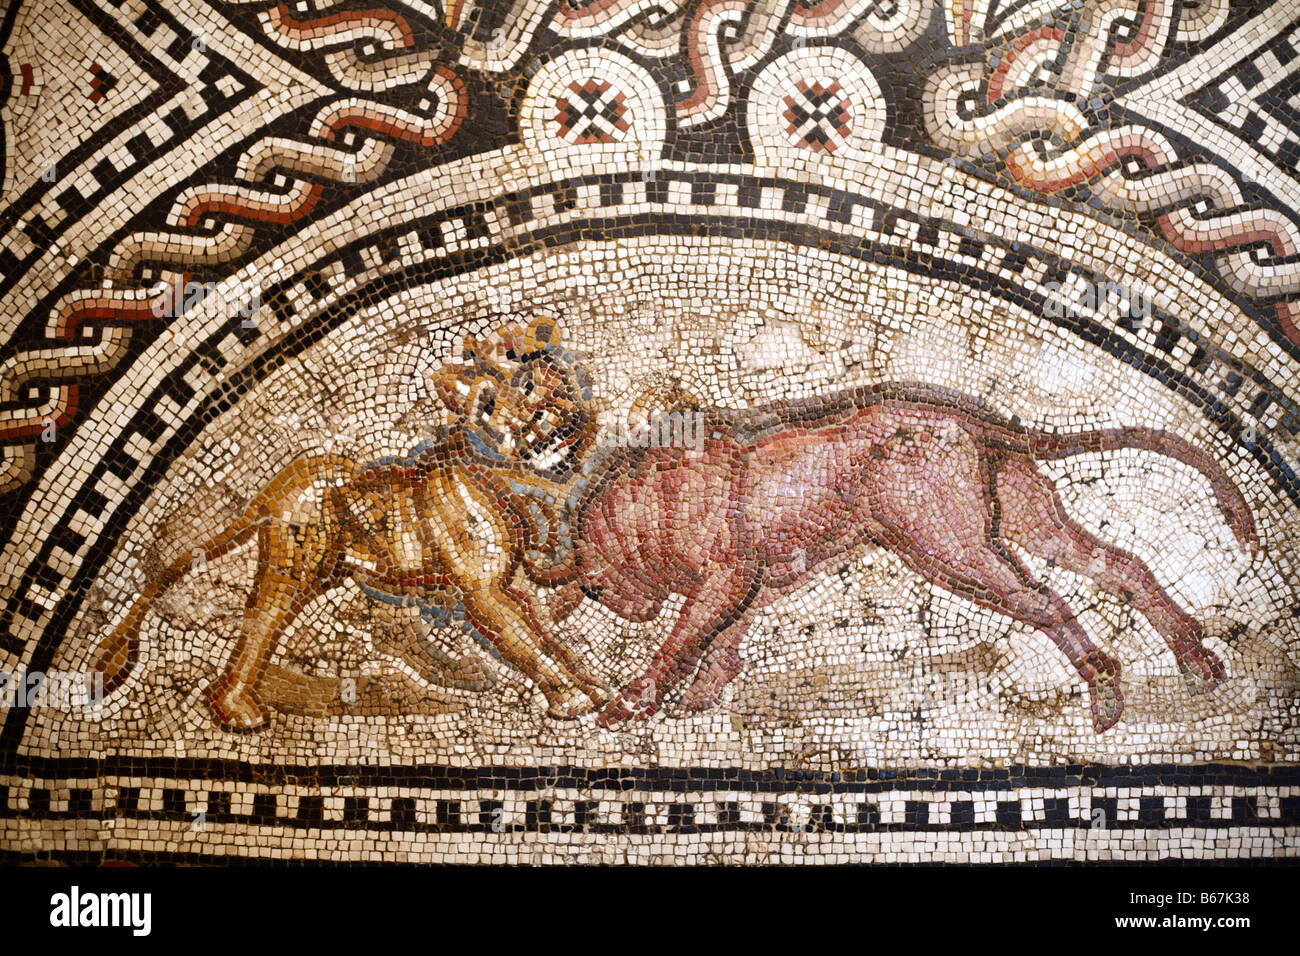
x: 568, y: 704
x: 236, y: 708
x: 704, y: 694
x: 1202, y: 670
x: 638, y: 700
x: 1107, y: 702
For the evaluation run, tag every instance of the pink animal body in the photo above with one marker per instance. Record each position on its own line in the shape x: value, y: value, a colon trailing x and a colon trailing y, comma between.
x: 776, y: 495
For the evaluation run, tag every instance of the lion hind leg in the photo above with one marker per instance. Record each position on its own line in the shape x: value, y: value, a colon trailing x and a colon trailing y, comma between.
x: 290, y: 563
x: 1034, y: 517
x: 955, y: 547
x: 997, y: 581
x: 117, y: 653
x: 276, y: 599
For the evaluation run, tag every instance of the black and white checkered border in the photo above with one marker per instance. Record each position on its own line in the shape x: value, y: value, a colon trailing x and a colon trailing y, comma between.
x: 646, y: 809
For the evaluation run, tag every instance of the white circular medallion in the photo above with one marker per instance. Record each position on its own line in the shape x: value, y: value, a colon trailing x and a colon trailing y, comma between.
x: 593, y: 100
x: 814, y: 103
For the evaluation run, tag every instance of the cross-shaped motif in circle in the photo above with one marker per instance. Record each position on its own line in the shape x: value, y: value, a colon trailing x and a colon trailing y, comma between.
x: 819, y: 116
x: 591, y: 113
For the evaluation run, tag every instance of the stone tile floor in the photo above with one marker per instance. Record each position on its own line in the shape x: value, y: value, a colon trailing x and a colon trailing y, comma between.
x: 652, y: 432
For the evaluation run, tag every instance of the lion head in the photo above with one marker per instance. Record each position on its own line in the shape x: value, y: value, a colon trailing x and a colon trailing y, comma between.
x: 521, y: 398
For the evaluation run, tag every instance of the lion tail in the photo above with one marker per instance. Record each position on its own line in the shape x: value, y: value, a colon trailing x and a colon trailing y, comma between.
x: 1232, y: 504
x: 118, y: 652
